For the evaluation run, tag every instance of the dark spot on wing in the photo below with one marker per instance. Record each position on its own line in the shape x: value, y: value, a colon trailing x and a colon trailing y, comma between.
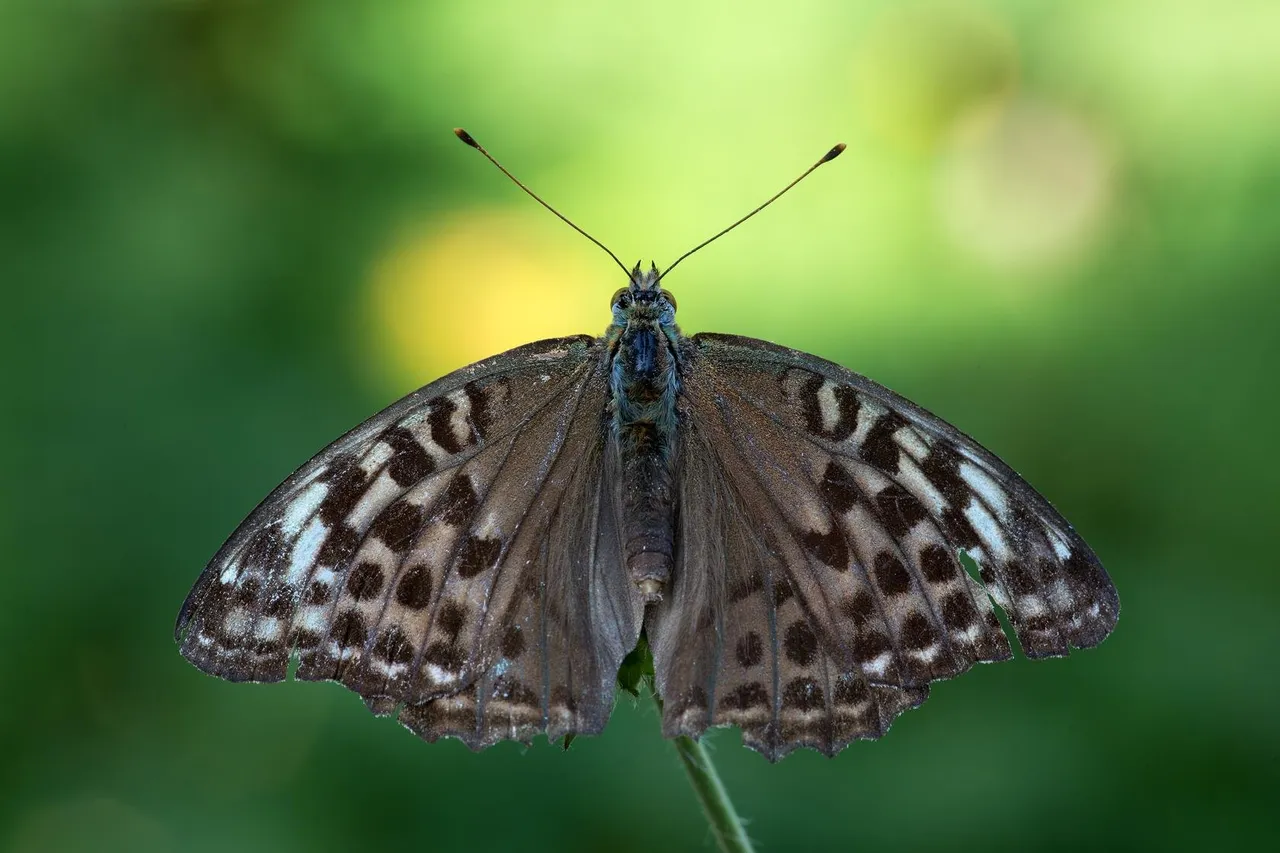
x: 478, y: 554
x: 459, y: 501
x: 301, y: 638
x: 937, y: 564
x: 804, y: 694
x: 858, y: 607
x: 846, y: 409
x: 447, y: 656
x: 847, y: 405
x: 349, y: 629
x: 1082, y: 570
x: 410, y: 461
x: 958, y: 611
x: 338, y: 546
x: 918, y: 633
x: 246, y: 592
x: 746, y: 696
x: 1042, y: 623
x: 850, y: 690
x: 870, y: 646
x: 809, y: 405
x: 1020, y: 581
x: 414, y: 589
x: 800, y: 643
x: 513, y: 644
x: 280, y: 602
x: 347, y: 483
x: 899, y: 510
x: 829, y: 547
x: 782, y: 591
x: 263, y: 549
x: 440, y: 419
x: 480, y: 414
x: 452, y: 618
x: 891, y: 576
x: 879, y: 449
x: 365, y: 581
x: 398, y: 525
x: 838, y: 489
x: 959, y: 528
x: 942, y: 468
x: 393, y: 646
x: 318, y: 593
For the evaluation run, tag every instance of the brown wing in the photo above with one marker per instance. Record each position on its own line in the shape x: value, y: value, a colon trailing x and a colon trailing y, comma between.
x: 458, y: 544
x: 821, y: 518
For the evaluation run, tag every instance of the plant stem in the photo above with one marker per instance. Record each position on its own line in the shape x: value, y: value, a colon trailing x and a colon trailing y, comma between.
x: 731, y: 835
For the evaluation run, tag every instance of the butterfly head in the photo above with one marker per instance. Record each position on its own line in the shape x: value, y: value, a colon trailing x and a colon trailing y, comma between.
x: 644, y: 300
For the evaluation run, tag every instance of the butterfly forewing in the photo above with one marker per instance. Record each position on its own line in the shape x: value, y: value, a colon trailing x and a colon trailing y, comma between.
x: 425, y: 554
x: 841, y: 509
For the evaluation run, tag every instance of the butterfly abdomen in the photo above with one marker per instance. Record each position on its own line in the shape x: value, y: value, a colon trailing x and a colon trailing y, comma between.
x: 644, y: 380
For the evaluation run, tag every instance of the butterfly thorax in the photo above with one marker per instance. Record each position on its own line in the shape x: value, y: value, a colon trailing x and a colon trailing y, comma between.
x: 644, y: 379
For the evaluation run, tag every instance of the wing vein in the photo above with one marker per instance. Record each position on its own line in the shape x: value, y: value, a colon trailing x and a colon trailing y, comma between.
x: 849, y: 544
x: 553, y: 459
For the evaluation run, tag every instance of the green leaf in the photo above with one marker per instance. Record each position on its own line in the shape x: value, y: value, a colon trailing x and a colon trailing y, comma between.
x: 637, y: 668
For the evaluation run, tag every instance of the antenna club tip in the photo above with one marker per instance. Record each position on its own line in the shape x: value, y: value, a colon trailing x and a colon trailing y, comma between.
x: 835, y: 152
x: 466, y: 137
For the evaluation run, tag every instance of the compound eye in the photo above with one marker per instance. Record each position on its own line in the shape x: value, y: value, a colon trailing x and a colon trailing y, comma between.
x: 671, y: 297
x: 617, y: 299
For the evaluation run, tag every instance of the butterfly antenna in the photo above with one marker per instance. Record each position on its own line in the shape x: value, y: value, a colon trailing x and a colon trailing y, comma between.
x: 826, y: 158
x: 471, y: 140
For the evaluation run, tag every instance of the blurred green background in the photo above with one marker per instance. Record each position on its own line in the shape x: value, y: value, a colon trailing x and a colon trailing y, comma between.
x: 231, y: 230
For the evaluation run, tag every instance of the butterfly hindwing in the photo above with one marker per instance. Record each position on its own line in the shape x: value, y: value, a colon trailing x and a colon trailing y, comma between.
x: 856, y: 502
x: 567, y: 623
x: 426, y: 555
x: 732, y: 643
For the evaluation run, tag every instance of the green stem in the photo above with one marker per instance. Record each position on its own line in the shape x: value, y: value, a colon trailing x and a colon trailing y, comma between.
x: 731, y: 835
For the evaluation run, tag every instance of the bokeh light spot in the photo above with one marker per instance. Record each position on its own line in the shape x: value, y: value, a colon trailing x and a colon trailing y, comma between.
x: 448, y: 294
x: 89, y: 824
x: 1024, y: 184
x: 921, y: 64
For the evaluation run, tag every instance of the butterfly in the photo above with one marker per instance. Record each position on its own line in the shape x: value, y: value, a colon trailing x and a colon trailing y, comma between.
x: 785, y: 534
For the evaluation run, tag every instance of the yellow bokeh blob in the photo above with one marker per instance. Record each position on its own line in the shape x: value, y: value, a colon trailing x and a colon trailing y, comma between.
x: 459, y: 290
